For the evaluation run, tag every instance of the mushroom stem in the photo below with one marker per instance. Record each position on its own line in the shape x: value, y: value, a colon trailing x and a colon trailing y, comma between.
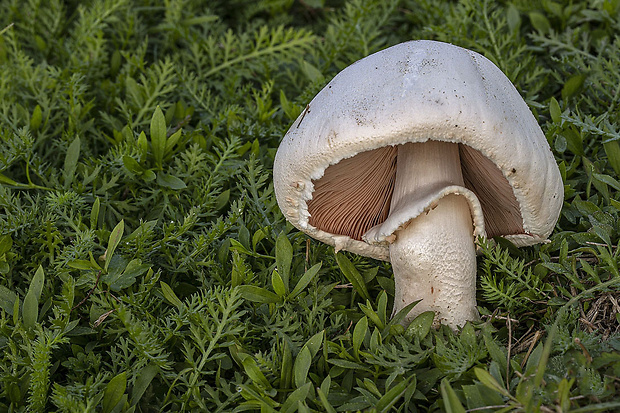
x: 434, y: 256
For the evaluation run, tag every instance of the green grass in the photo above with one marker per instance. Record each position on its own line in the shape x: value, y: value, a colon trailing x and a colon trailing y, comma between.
x: 145, y: 265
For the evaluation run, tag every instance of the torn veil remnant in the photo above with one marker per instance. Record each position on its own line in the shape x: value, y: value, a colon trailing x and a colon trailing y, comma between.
x: 409, y: 155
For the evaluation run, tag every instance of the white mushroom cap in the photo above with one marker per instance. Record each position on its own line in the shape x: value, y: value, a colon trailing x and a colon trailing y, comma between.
x: 414, y: 92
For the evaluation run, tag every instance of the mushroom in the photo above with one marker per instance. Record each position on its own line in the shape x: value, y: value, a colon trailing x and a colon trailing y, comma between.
x: 411, y: 154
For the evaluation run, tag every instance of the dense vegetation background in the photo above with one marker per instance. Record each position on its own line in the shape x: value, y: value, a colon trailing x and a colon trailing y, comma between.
x: 145, y: 265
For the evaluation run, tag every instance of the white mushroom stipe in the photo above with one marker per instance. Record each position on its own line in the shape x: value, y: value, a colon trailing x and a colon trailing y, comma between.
x: 434, y: 256
x: 434, y: 260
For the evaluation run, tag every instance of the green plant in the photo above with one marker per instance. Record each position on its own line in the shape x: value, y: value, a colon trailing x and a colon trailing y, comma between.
x: 145, y: 265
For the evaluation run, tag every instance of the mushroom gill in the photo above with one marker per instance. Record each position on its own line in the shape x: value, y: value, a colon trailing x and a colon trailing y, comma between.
x: 354, y: 195
x: 500, y: 208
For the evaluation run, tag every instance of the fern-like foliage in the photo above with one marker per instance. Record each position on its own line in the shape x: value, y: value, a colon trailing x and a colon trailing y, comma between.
x: 144, y: 262
x: 507, y: 282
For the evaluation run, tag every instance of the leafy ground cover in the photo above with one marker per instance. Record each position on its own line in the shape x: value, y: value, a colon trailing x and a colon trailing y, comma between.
x: 145, y: 265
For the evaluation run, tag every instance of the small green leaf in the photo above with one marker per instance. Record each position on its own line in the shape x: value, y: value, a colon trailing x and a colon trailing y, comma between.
x: 36, y: 118
x: 7, y: 299
x: 148, y: 175
x: 115, y: 62
x: 258, y: 236
x: 421, y: 325
x: 513, y: 18
x: 6, y: 242
x: 314, y: 342
x: 290, y: 405
x: 573, y: 141
x: 13, y: 390
x: 5, y: 29
x: 346, y: 364
x: 305, y: 280
x: 278, y: 284
x: 143, y: 146
x: 554, y: 110
x: 400, y: 316
x: 16, y: 311
x: 8, y: 181
x: 359, y: 333
x: 556, y: 301
x: 382, y: 308
x: 170, y: 114
x: 82, y: 265
x: 40, y: 42
x: 564, y: 394
x: 134, y: 269
x: 115, y: 276
x: 144, y: 378
x: 312, y: 73
x: 71, y: 159
x: 254, y: 373
x: 179, y: 110
x: 237, y: 246
x: 612, y: 150
x: 284, y: 257
x: 533, y: 362
x: 326, y: 404
x: 30, y: 310
x: 560, y: 144
x: 555, y: 267
x: 222, y: 200
x: 173, y: 140
x: 326, y: 385
x: 258, y: 295
x: 286, y: 370
x: 170, y: 295
x: 304, y: 357
x: 291, y: 110
x: 390, y: 398
x: 371, y: 314
x: 488, y: 380
x: 468, y: 336
x: 302, y: 366
x: 573, y: 85
x: 124, y: 135
x: 255, y: 150
x: 451, y: 401
x: 256, y: 402
x: 113, y: 241
x: 114, y: 391
x: 479, y: 395
x: 495, y: 351
x: 351, y: 274
x: 239, y: 269
x: 94, y: 214
x: 170, y: 181
x: 158, y: 136
x: 607, y: 180
x: 598, y: 407
x: 132, y: 165
x: 540, y: 22
x: 603, y: 234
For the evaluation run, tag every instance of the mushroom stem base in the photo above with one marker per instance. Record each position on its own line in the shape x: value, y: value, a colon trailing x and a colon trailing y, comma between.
x: 434, y: 260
